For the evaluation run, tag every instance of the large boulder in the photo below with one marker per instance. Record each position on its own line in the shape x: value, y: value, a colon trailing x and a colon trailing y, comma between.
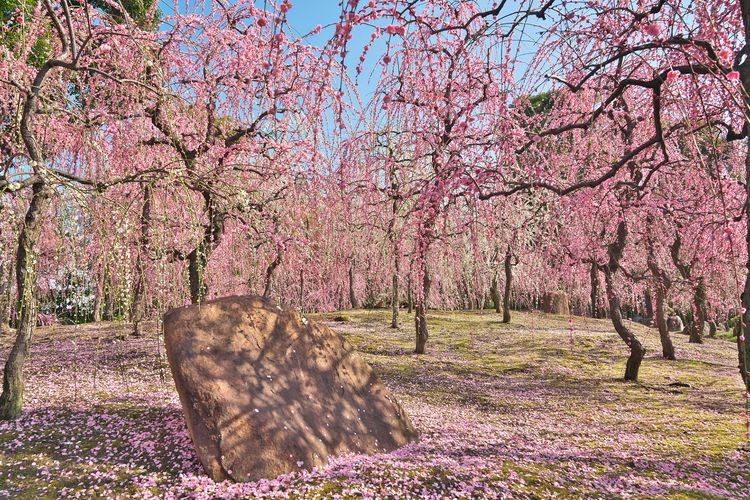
x: 674, y: 324
x: 266, y: 392
x: 555, y: 303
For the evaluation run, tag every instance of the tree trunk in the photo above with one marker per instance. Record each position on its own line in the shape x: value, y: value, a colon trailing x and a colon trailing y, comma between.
x: 409, y: 298
x: 648, y: 304
x: 495, y: 294
x: 699, y: 321
x: 269, y: 274
x: 637, y: 351
x: 109, y: 297
x: 213, y: 231
x: 667, y: 348
x: 712, y: 328
x: 420, y: 317
x: 352, y: 295
x: 3, y: 308
x: 594, y: 290
x: 743, y: 347
x: 420, y: 321
x: 11, y: 399
x: 7, y: 296
x: 98, y: 297
x: 196, y: 266
x: 508, y: 280
x: 394, y: 302
x: 138, y: 310
x: 394, y: 245
x: 663, y: 284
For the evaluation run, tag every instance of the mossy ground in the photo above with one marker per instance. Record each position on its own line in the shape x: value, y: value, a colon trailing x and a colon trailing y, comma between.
x: 533, y: 408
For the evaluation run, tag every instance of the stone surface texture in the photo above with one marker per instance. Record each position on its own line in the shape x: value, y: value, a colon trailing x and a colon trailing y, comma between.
x: 267, y: 392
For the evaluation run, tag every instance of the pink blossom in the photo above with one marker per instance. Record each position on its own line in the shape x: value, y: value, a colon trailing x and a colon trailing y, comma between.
x: 726, y: 55
x: 285, y: 6
x: 733, y: 76
x: 652, y: 29
x: 395, y: 29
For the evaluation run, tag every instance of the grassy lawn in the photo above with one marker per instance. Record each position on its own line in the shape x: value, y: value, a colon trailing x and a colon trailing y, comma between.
x: 533, y: 408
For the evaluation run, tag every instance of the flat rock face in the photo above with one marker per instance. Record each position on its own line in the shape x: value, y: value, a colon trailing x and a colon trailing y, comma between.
x: 266, y: 392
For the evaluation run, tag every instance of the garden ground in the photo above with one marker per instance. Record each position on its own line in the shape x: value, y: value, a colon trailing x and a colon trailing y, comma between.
x: 533, y: 408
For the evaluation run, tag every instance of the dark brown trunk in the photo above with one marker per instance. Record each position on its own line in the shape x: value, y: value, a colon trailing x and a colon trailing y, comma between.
x: 743, y: 354
x: 743, y: 346
x: 637, y: 351
x: 420, y: 317
x: 663, y: 284
x: 495, y: 294
x: 699, y: 321
x: 594, y: 290
x: 109, y: 297
x: 11, y: 399
x: 409, y: 297
x: 648, y: 305
x: 98, y: 297
x: 7, y: 295
x: 352, y: 295
x: 508, y: 281
x: 394, y: 302
x: 695, y: 329
x: 712, y: 328
x: 667, y: 348
x: 138, y: 310
x: 420, y: 321
x: 269, y: 274
x: 394, y: 245
x: 213, y: 231
x: 3, y: 308
x: 196, y: 265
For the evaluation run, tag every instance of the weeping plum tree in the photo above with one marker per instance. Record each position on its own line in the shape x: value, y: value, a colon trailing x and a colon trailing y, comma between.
x: 72, y: 63
x: 229, y: 114
x: 444, y: 104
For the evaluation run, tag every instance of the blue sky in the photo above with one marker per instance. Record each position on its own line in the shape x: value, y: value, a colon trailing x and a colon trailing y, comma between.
x: 307, y: 14
x: 304, y: 16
